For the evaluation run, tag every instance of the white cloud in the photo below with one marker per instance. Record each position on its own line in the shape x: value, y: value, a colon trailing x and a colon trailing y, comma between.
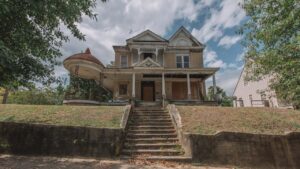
x: 211, y: 59
x: 229, y: 15
x: 228, y: 41
x: 240, y: 57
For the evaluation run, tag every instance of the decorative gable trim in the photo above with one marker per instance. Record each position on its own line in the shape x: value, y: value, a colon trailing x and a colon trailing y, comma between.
x: 148, y: 62
x: 156, y: 38
x: 188, y: 34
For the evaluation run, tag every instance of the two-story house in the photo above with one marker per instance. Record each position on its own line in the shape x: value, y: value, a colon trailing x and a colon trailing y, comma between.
x: 149, y: 68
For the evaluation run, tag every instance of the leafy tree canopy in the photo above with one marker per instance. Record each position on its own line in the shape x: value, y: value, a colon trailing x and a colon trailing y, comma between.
x: 221, y: 96
x: 31, y: 33
x: 273, y: 45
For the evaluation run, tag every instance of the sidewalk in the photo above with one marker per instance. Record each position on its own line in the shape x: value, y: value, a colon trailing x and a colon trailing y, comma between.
x: 31, y: 162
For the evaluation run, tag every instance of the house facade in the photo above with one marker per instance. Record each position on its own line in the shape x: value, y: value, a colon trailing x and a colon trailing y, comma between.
x: 256, y: 94
x: 149, y: 68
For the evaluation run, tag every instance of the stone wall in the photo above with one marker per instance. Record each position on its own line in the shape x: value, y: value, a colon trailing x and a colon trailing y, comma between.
x: 38, y: 139
x: 246, y: 150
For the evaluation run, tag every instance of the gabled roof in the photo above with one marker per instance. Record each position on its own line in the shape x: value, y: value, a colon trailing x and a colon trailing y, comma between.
x: 154, y: 36
x: 148, y: 62
x: 237, y: 83
x: 188, y: 34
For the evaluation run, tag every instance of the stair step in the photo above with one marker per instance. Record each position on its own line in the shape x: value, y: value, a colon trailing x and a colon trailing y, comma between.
x: 151, y: 116
x: 150, y: 111
x: 142, y: 135
x: 139, y: 123
x: 152, y: 152
x: 151, y: 145
x: 153, y: 120
x: 152, y: 140
x: 148, y: 127
x: 164, y: 158
x: 152, y: 131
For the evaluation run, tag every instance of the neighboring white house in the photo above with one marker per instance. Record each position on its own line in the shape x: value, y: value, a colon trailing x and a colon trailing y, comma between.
x: 255, y: 94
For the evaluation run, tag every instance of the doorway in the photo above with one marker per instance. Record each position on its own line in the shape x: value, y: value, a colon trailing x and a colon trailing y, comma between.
x: 148, y: 91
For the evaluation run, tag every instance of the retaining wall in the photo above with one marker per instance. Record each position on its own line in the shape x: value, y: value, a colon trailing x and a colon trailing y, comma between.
x: 246, y: 150
x: 38, y: 139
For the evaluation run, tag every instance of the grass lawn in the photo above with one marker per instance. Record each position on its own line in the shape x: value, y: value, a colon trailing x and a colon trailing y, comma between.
x: 208, y: 120
x: 90, y: 116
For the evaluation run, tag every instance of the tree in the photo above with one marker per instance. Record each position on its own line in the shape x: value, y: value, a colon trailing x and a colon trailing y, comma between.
x: 221, y: 96
x: 31, y: 34
x: 38, y: 96
x: 219, y: 92
x: 86, y: 90
x: 272, y: 39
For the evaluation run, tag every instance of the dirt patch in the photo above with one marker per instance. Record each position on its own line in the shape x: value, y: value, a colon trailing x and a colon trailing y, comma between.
x: 209, y: 120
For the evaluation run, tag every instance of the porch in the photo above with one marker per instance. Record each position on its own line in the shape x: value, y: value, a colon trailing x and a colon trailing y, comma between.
x: 162, y: 85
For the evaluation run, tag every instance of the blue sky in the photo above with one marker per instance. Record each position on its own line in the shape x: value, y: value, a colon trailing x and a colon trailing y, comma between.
x: 213, y: 22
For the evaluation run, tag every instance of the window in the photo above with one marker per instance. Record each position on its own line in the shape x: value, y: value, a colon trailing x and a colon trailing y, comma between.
x: 123, y: 89
x: 182, y: 61
x: 186, y: 61
x: 123, y: 61
x: 241, y: 102
x: 178, y: 62
x: 148, y: 55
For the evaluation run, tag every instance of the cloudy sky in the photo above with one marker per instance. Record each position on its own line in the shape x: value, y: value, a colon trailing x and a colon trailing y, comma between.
x: 212, y: 22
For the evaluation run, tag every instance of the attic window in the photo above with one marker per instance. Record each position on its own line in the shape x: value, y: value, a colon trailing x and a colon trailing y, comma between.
x: 148, y: 55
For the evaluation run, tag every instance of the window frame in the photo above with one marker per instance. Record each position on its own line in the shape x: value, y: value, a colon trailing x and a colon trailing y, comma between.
x: 123, y: 66
x: 182, y: 62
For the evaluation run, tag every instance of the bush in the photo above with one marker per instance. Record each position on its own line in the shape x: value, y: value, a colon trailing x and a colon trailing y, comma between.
x: 39, y: 96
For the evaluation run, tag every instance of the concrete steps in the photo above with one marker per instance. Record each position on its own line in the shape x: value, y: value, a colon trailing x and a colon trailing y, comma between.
x: 152, y: 146
x: 152, y: 140
x: 147, y: 127
x: 159, y: 158
x: 164, y: 152
x: 151, y: 134
x: 151, y: 131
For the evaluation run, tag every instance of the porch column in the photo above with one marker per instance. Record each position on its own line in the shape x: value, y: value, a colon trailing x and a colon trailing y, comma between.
x: 139, y: 54
x: 133, y: 86
x: 214, y: 87
x: 163, y: 86
x: 156, y: 53
x: 189, y: 86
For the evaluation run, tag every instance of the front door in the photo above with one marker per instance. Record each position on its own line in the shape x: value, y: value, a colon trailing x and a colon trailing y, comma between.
x: 148, y: 91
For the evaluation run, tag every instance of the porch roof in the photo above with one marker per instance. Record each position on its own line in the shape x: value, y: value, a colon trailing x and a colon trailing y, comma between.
x: 206, y: 72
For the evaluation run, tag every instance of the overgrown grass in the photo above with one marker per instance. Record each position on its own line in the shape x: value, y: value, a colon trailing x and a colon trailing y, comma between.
x: 209, y: 120
x: 89, y: 116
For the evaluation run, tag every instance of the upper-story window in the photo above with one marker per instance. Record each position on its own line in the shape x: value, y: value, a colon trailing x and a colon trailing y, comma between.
x: 124, y: 61
x: 182, y: 61
x: 148, y: 55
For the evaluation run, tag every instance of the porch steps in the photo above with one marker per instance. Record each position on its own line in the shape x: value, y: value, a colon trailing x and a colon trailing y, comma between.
x: 152, y: 136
